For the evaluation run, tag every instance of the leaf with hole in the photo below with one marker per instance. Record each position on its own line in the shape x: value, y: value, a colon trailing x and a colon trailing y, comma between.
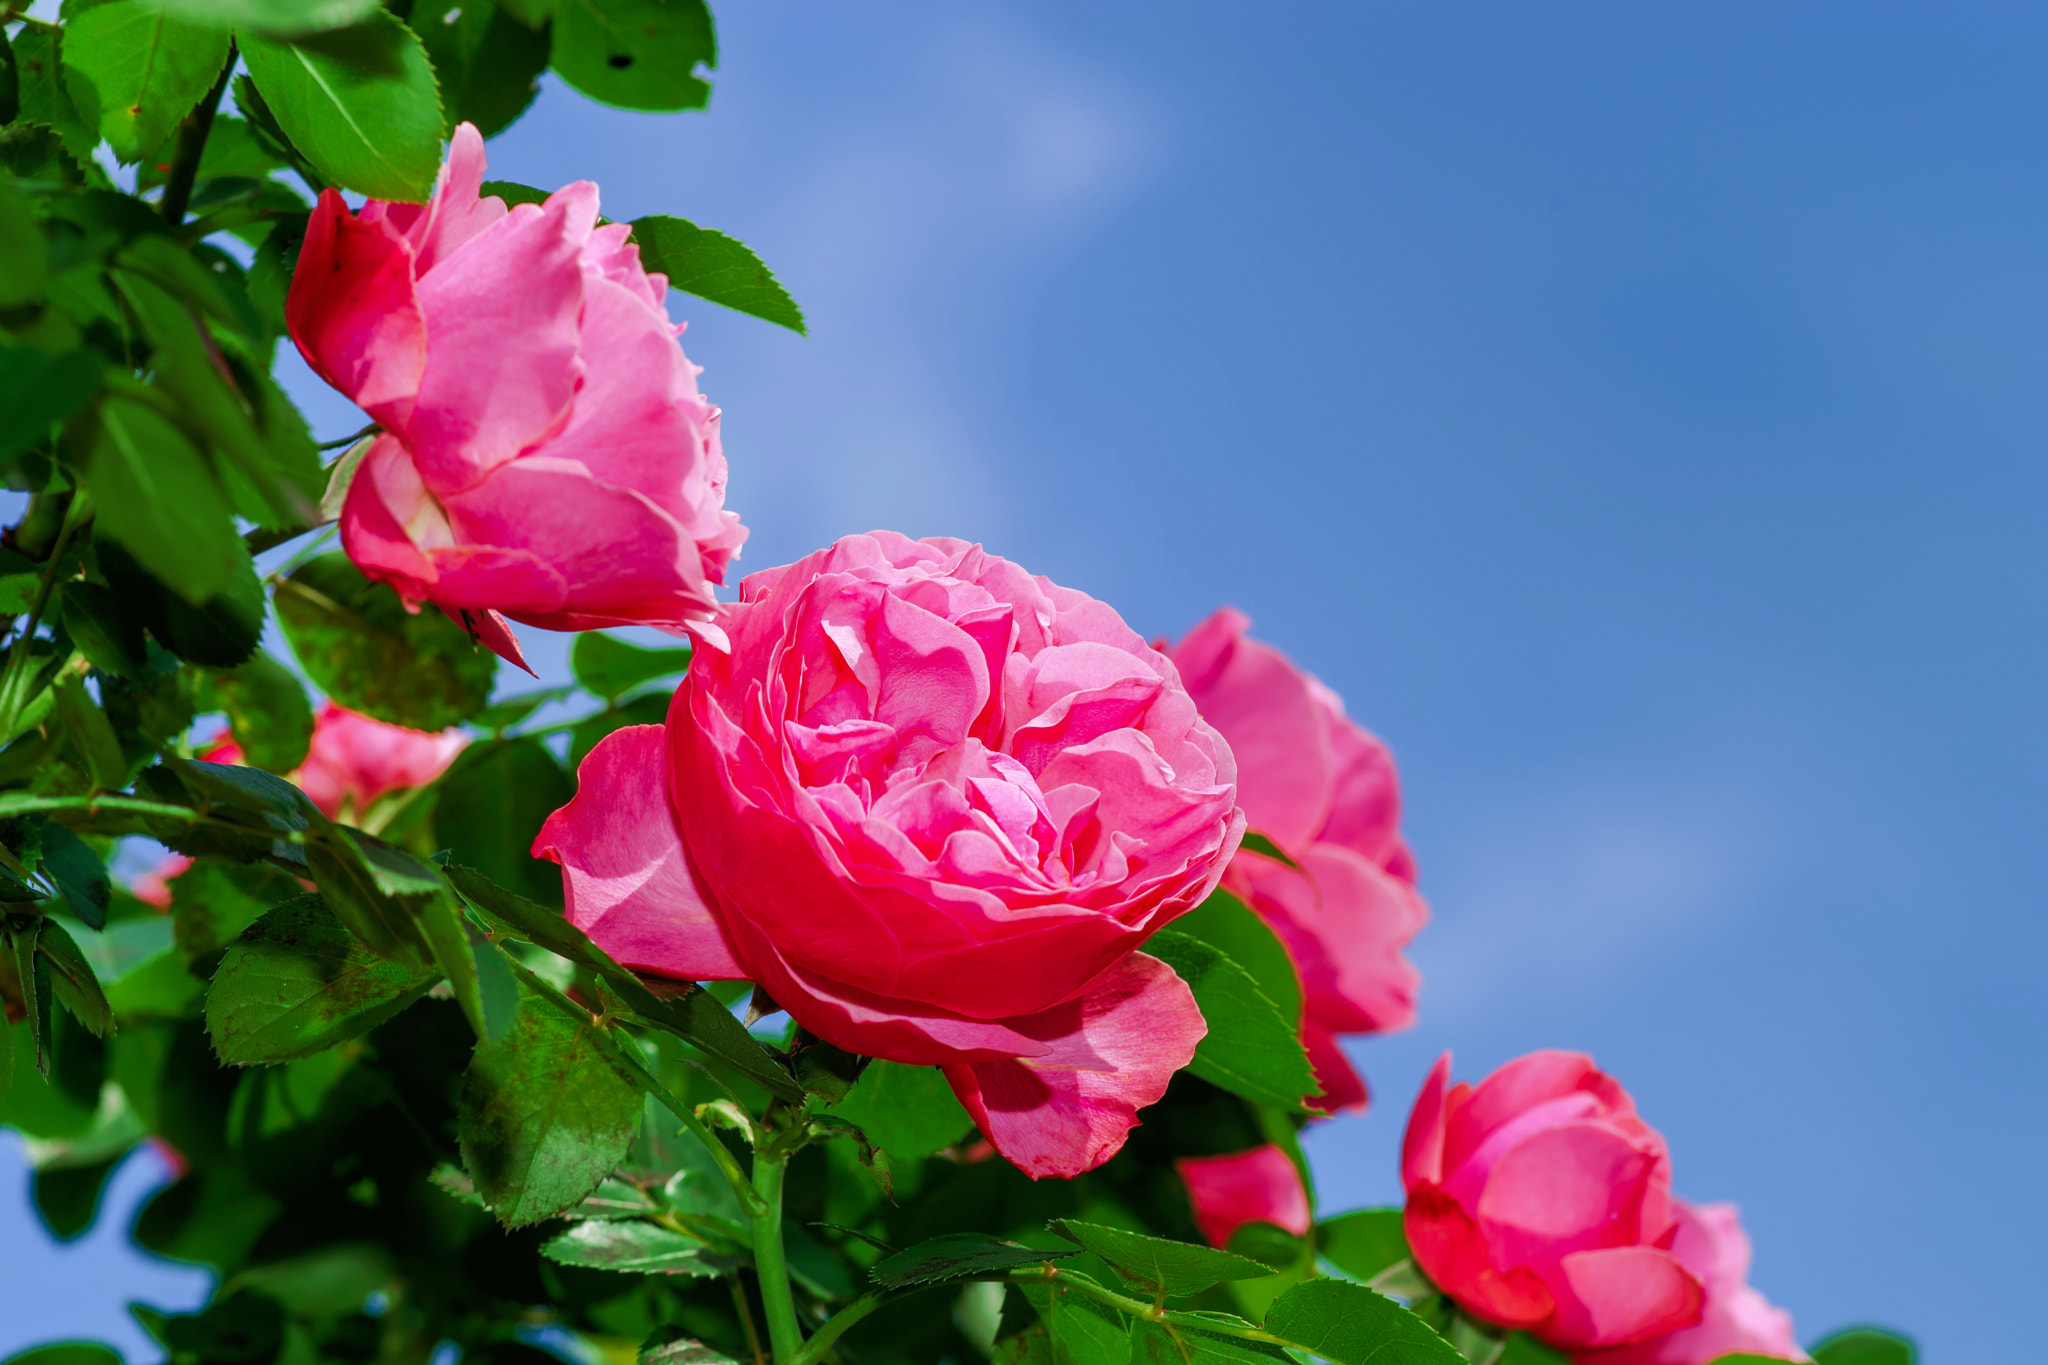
x: 636, y: 54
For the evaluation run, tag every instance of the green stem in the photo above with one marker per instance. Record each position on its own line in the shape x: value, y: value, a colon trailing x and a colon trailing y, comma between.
x: 784, y: 1336
x: 835, y: 1327
x: 191, y: 147
x: 749, y: 1200
x: 14, y: 678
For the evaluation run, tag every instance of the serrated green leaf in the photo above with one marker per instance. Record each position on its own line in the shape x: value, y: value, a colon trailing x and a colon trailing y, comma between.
x: 297, y: 983
x: 636, y: 54
x: 955, y: 1256
x: 1156, y: 1265
x: 711, y: 265
x: 1225, y: 922
x: 37, y: 390
x: 90, y: 733
x: 608, y: 667
x: 367, y: 884
x: 1157, y: 1343
x: 370, y: 123
x: 279, y: 18
x: 493, y: 802
x: 668, y: 1346
x: 440, y: 924
x: 1250, y: 1049
x: 106, y: 627
x: 1348, y: 1324
x: 1866, y: 1346
x: 157, y: 497
x: 219, y: 632
x: 546, y: 1111
x: 357, y: 642
x: 71, y: 976
x: 907, y: 1111
x: 1079, y: 1330
x: 635, y: 1247
x: 1363, y: 1243
x: 44, y: 98
x: 489, y: 63
x: 135, y: 71
x: 78, y: 874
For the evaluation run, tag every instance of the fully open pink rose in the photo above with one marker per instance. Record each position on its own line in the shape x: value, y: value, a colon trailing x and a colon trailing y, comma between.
x: 1736, y: 1320
x: 1540, y: 1201
x: 545, y: 453
x: 355, y: 759
x: 1259, y: 1186
x: 934, y: 805
x: 1324, y: 790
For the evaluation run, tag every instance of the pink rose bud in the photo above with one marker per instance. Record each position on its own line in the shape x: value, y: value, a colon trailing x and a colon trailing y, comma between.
x: 1736, y: 1320
x: 933, y: 805
x: 1540, y: 1201
x: 1259, y: 1186
x: 355, y: 759
x: 545, y: 453
x: 1324, y: 790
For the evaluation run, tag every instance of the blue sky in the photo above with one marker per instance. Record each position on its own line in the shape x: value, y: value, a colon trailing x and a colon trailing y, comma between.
x: 1634, y: 411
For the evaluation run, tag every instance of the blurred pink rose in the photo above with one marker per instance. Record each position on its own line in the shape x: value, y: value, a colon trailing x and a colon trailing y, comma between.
x: 354, y: 759
x: 545, y: 453
x: 933, y: 805
x: 1737, y: 1320
x: 1259, y: 1186
x: 1324, y: 790
x: 153, y: 888
x: 1540, y: 1201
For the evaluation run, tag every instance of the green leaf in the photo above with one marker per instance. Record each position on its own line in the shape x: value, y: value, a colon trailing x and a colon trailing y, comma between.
x: 1227, y: 923
x: 1157, y: 1343
x: 1156, y: 1265
x: 441, y: 925
x: 513, y: 193
x: 498, y: 990
x: 1269, y: 1245
x: 370, y: 122
x: 636, y: 54
x: 367, y: 884
x: 1348, y: 1324
x: 492, y: 804
x: 684, y: 1009
x: 642, y: 1248
x: 667, y: 1346
x: 67, y: 1198
x: 106, y: 627
x: 268, y: 713
x: 157, y: 497
x: 1523, y: 1349
x: 219, y: 632
x: 77, y: 872
x: 955, y: 1256
x: 66, y: 1353
x: 546, y: 1112
x: 608, y: 667
x: 297, y: 983
x: 37, y: 389
x: 44, y: 98
x: 1866, y: 1346
x: 1250, y: 1049
x: 647, y: 709
x: 135, y: 71
x: 71, y: 976
x: 363, y: 649
x: 1256, y: 842
x: 91, y: 734
x: 907, y: 1111
x: 1363, y: 1243
x: 275, y: 17
x: 713, y: 266
x: 488, y: 62
x: 1081, y: 1331
x: 6, y: 1060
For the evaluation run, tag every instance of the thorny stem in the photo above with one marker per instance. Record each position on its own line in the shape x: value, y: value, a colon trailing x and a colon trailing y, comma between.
x: 192, y: 135
x: 784, y: 1336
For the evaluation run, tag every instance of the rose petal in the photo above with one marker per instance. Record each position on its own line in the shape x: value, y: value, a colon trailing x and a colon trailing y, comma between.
x: 1451, y: 1250
x: 1259, y: 1186
x: 1617, y: 1295
x: 1112, y: 1053
x: 352, y: 310
x: 1422, y: 1143
x: 1342, y: 1089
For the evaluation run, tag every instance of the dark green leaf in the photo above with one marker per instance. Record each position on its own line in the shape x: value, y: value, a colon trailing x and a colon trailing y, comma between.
x: 608, y: 667
x: 955, y: 1256
x: 37, y: 389
x: 514, y: 193
x: 71, y: 977
x: 1348, y: 1324
x: 66, y: 1353
x: 24, y: 267
x: 136, y: 71
x: 711, y: 265
x: 1227, y: 923
x: 209, y: 1217
x: 492, y: 804
x: 107, y: 628
x: 67, y: 1198
x: 441, y: 925
x: 370, y: 121
x: 78, y: 874
x: 1256, y: 842
x: 352, y: 872
x: 1080, y: 1330
x: 1250, y: 1049
x: 268, y: 712
x: 668, y: 1346
x: 357, y: 641
x: 297, y: 983
x: 1156, y: 1265
x: 489, y: 63
x: 38, y: 59
x: 498, y: 988
x: 158, y: 498
x: 547, y: 1111
x: 6, y: 1060
x: 824, y: 1069
x: 1156, y: 1343
x: 1268, y: 1245
x: 648, y: 709
x: 220, y: 632
x: 1866, y: 1346
x: 907, y: 1111
x: 636, y: 54
x: 1364, y: 1243
x: 1523, y: 1349
x: 506, y: 712
x: 275, y: 17
x: 91, y: 734
x: 642, y: 1248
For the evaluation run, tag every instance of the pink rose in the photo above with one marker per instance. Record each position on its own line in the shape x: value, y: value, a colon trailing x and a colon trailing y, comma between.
x: 933, y: 805
x: 153, y: 888
x: 1259, y: 1186
x: 1736, y: 1319
x: 545, y: 452
x: 1540, y: 1201
x: 354, y: 759
x: 1324, y: 790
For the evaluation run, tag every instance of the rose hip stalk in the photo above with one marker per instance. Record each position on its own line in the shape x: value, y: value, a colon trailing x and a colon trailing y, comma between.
x: 545, y: 454
x: 932, y: 804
